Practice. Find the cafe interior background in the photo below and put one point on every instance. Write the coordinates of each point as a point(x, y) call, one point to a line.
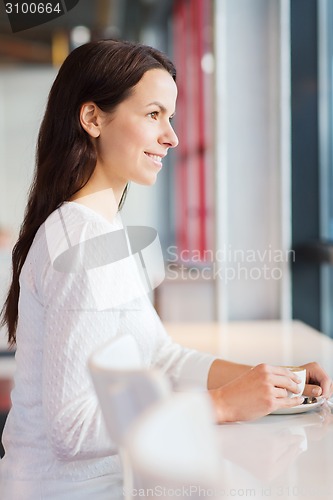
point(244, 206)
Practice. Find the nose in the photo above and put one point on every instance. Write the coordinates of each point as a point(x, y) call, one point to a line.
point(169, 137)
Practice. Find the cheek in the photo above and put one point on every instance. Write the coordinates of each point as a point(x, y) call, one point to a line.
point(138, 137)
point(123, 139)
point(113, 145)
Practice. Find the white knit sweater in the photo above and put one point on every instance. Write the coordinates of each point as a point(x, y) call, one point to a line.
point(55, 428)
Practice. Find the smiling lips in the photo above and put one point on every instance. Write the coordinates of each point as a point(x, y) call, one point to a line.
point(156, 158)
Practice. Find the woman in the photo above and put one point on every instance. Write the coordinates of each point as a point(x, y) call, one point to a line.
point(107, 123)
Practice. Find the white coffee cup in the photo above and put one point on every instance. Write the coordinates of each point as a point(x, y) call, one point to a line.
point(301, 374)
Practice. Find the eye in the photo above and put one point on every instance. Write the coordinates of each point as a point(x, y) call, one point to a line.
point(153, 115)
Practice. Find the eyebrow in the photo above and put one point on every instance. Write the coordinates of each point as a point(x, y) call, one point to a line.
point(160, 105)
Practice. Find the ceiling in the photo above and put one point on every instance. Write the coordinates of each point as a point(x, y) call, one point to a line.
point(105, 19)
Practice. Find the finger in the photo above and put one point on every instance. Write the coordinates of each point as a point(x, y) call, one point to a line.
point(280, 370)
point(290, 402)
point(280, 393)
point(318, 376)
point(284, 394)
point(285, 372)
point(326, 386)
point(285, 382)
point(312, 390)
point(330, 390)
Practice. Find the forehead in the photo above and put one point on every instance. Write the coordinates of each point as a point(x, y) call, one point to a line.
point(155, 85)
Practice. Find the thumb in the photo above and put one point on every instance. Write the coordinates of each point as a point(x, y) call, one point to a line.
point(312, 390)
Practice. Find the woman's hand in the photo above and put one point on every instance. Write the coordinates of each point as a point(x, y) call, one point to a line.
point(318, 383)
point(256, 393)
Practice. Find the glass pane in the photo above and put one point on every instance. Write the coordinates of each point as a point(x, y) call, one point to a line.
point(326, 153)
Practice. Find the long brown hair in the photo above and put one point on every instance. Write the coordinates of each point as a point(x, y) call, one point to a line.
point(104, 72)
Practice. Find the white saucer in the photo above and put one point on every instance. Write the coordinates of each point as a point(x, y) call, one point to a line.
point(299, 408)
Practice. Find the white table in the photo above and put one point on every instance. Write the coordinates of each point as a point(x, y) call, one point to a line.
point(278, 456)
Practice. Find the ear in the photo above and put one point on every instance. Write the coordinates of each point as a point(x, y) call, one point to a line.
point(90, 119)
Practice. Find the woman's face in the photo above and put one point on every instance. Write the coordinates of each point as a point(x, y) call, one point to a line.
point(134, 141)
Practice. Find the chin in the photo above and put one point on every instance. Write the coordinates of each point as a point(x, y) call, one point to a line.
point(147, 181)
